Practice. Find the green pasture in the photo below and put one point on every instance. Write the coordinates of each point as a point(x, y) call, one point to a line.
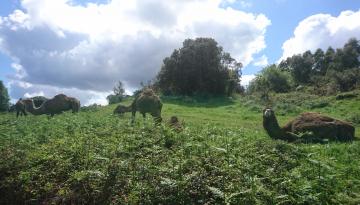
point(223, 156)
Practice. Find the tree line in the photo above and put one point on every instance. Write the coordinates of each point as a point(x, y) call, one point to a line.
point(333, 70)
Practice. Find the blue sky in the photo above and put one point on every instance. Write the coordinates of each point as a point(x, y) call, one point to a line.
point(285, 15)
point(58, 42)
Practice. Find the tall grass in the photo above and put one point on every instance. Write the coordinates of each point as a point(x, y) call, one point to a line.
point(223, 156)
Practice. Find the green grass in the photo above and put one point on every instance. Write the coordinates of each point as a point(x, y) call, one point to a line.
point(223, 156)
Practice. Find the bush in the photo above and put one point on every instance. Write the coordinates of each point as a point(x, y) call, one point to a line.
point(346, 96)
point(258, 84)
point(271, 79)
point(112, 99)
point(346, 80)
point(317, 104)
point(239, 89)
point(279, 81)
point(253, 106)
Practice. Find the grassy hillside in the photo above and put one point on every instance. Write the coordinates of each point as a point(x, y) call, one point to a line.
point(223, 156)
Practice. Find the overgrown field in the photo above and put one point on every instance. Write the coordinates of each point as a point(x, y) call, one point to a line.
point(223, 156)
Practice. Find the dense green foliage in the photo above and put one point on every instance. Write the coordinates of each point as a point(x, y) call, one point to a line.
point(330, 72)
point(271, 78)
point(304, 67)
point(223, 156)
point(4, 98)
point(199, 67)
point(346, 80)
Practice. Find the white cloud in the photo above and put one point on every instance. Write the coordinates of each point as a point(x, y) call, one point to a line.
point(261, 61)
point(242, 3)
point(20, 72)
point(29, 95)
point(245, 79)
point(245, 4)
point(322, 31)
point(63, 46)
point(86, 97)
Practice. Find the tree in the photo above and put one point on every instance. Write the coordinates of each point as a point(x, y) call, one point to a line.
point(329, 57)
point(118, 95)
point(300, 67)
point(319, 67)
point(284, 65)
point(278, 81)
point(338, 60)
point(347, 57)
point(351, 53)
point(119, 89)
point(308, 64)
point(199, 67)
point(4, 98)
point(271, 78)
point(334, 68)
point(234, 82)
point(347, 80)
point(260, 85)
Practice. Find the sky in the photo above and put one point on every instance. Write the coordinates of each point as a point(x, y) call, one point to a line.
point(83, 47)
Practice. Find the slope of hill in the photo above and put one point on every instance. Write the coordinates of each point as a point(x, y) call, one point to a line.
point(222, 156)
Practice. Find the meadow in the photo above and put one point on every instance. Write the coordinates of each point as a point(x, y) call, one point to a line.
point(223, 156)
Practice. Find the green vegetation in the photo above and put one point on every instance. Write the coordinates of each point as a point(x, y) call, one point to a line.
point(328, 73)
point(200, 67)
point(4, 98)
point(271, 79)
point(223, 156)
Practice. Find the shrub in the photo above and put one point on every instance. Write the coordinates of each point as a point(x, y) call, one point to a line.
point(346, 80)
point(271, 79)
point(346, 96)
point(112, 99)
point(279, 81)
point(317, 104)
